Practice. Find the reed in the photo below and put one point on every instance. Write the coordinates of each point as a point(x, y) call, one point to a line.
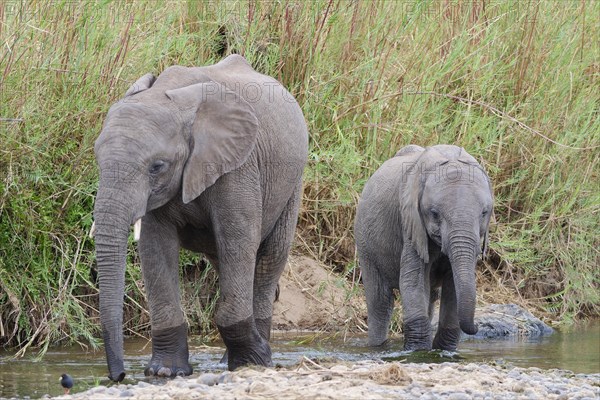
point(515, 83)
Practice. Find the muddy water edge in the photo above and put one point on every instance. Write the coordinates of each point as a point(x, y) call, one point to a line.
point(577, 350)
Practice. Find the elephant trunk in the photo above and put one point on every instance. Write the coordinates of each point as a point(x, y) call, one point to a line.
point(463, 257)
point(113, 221)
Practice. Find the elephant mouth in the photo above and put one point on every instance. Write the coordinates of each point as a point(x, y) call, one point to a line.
point(436, 238)
point(137, 229)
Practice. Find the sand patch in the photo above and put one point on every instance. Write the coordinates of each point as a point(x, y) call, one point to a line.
point(311, 297)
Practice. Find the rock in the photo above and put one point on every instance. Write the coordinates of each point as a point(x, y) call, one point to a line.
point(97, 389)
point(518, 388)
point(506, 320)
point(502, 320)
point(113, 391)
point(459, 396)
point(531, 394)
point(208, 379)
point(225, 377)
point(195, 386)
point(587, 394)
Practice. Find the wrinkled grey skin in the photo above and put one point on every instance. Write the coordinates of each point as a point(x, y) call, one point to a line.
point(421, 221)
point(211, 159)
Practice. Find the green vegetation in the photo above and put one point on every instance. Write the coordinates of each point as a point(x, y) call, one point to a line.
point(515, 83)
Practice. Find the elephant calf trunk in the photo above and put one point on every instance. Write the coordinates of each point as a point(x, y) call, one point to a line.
point(466, 299)
point(463, 260)
point(468, 327)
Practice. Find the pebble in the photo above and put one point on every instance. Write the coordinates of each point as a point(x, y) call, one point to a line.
point(225, 377)
point(448, 381)
point(208, 379)
point(459, 396)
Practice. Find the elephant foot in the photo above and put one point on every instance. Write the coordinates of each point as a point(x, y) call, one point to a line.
point(264, 329)
point(169, 353)
point(378, 338)
point(261, 356)
point(167, 372)
point(417, 334)
point(245, 346)
point(378, 341)
point(446, 339)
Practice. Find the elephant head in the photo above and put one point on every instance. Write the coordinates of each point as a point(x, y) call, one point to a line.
point(166, 141)
point(447, 203)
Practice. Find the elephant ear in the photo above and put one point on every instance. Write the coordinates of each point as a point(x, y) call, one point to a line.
point(145, 82)
point(223, 133)
point(410, 198)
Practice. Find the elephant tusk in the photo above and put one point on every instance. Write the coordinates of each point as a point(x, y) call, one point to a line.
point(93, 230)
point(137, 229)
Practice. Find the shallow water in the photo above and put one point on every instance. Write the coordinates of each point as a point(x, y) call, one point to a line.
point(577, 350)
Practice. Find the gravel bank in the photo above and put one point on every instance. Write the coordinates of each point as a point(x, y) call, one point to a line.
point(367, 380)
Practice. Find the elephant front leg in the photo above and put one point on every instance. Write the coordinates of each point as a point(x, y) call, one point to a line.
point(415, 293)
point(159, 253)
point(448, 333)
point(169, 352)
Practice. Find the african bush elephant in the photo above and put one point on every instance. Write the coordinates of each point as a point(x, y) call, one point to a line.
point(420, 223)
point(209, 159)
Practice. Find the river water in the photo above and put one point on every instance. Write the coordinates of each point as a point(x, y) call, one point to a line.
point(577, 350)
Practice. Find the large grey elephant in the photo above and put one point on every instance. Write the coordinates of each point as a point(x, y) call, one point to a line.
point(422, 221)
point(209, 159)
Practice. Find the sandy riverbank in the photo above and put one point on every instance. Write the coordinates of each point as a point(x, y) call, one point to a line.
point(366, 380)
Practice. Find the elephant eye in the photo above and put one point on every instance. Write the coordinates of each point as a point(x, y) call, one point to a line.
point(484, 213)
point(157, 167)
point(435, 214)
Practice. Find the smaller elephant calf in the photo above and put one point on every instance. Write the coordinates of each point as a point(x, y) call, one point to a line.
point(421, 223)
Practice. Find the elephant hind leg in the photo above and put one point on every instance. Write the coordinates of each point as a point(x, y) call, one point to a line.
point(434, 296)
point(270, 262)
point(271, 258)
point(237, 236)
point(380, 303)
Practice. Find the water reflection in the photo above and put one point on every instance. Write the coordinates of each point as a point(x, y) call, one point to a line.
point(578, 351)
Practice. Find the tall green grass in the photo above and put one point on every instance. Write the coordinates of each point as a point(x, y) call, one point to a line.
point(515, 83)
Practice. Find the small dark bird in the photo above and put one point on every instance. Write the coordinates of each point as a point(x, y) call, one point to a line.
point(66, 382)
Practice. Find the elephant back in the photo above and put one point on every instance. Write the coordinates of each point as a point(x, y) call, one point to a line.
point(410, 149)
